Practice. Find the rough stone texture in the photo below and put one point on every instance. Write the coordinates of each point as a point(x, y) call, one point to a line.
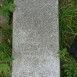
point(36, 39)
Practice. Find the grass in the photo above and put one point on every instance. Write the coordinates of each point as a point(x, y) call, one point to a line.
point(6, 10)
point(68, 31)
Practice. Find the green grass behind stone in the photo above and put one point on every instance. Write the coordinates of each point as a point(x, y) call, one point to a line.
point(6, 11)
point(68, 31)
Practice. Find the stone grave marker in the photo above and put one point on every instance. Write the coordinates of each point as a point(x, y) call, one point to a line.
point(35, 39)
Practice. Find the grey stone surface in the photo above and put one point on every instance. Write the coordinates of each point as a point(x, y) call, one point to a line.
point(36, 39)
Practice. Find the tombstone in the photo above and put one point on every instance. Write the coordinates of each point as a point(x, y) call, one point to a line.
point(35, 39)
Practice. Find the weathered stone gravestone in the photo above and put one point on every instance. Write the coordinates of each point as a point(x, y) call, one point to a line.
point(35, 39)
